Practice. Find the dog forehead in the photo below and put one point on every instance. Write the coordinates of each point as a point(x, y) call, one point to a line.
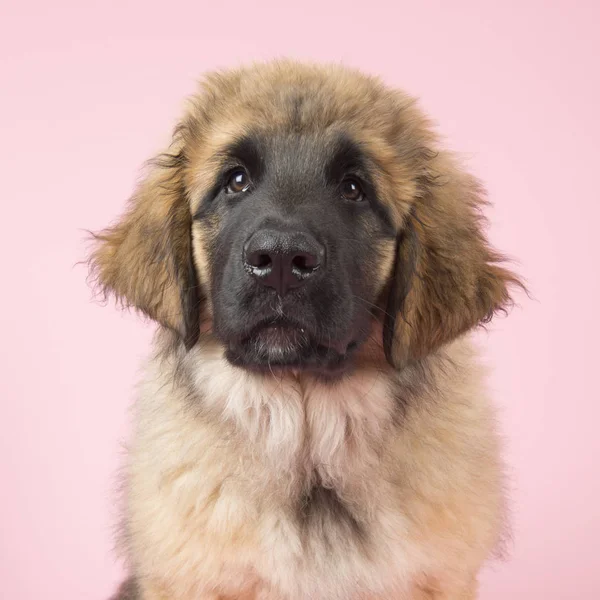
point(295, 96)
point(298, 111)
point(305, 156)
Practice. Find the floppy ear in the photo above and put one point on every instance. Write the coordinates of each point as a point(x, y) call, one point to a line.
point(447, 278)
point(145, 260)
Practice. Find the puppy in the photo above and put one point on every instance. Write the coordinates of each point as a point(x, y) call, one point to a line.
point(312, 423)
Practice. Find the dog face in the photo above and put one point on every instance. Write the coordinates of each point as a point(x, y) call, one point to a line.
point(299, 247)
point(299, 210)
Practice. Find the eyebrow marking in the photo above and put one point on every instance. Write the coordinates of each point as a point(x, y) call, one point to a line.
point(347, 156)
point(245, 150)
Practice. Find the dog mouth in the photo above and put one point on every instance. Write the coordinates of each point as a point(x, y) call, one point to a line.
point(284, 345)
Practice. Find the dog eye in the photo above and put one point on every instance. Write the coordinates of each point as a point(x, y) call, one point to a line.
point(351, 190)
point(238, 182)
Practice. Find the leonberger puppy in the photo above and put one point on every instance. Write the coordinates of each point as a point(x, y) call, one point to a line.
point(312, 424)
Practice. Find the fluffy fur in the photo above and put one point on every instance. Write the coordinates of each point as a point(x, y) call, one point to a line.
point(382, 483)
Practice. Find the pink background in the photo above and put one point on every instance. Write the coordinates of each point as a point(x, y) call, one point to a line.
point(91, 89)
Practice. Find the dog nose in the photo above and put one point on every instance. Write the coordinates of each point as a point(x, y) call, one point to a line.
point(283, 260)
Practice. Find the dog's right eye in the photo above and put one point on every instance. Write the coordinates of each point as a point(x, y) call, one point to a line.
point(351, 190)
point(238, 182)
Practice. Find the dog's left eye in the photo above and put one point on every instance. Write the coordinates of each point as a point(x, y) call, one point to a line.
point(351, 190)
point(238, 181)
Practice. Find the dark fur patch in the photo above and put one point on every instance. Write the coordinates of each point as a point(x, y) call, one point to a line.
point(321, 510)
point(404, 271)
point(245, 152)
point(185, 274)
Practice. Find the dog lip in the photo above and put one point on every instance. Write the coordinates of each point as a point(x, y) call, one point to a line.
point(279, 344)
point(329, 367)
point(283, 346)
point(341, 347)
point(282, 323)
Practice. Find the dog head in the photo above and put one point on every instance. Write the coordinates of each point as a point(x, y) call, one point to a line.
point(298, 208)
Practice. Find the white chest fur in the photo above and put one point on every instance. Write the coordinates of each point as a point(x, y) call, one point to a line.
point(293, 489)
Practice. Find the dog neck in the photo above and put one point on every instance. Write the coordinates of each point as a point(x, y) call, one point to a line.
point(295, 422)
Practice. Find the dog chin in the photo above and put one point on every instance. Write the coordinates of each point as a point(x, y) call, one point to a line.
point(288, 349)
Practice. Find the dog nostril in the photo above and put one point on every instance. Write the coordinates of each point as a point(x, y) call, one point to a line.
point(282, 260)
point(259, 260)
point(305, 262)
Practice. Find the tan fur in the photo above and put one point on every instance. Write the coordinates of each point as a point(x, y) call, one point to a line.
point(220, 457)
